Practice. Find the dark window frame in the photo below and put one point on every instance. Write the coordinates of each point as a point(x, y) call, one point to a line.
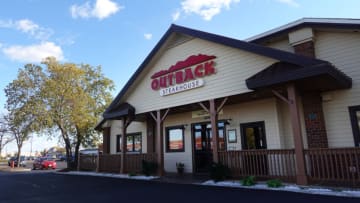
point(167, 141)
point(118, 142)
point(354, 124)
point(243, 126)
point(138, 134)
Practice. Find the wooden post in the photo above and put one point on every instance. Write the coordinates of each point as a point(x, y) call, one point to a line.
point(301, 178)
point(159, 148)
point(98, 163)
point(159, 144)
point(123, 146)
point(106, 140)
point(213, 111)
point(214, 129)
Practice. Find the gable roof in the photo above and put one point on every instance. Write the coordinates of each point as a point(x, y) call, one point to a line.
point(230, 42)
point(323, 77)
point(337, 23)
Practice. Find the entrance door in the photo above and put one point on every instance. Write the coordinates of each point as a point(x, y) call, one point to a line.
point(203, 145)
point(253, 138)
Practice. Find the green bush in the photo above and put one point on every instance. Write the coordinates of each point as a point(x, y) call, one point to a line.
point(131, 174)
point(219, 172)
point(274, 183)
point(149, 167)
point(248, 181)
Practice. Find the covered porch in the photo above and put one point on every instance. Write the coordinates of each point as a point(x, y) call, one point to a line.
point(290, 84)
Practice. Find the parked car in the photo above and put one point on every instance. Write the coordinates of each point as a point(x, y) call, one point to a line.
point(14, 159)
point(44, 163)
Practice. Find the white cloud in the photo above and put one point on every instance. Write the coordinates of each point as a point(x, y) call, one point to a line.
point(207, 9)
point(33, 53)
point(101, 9)
point(176, 15)
point(26, 26)
point(148, 36)
point(292, 3)
point(29, 27)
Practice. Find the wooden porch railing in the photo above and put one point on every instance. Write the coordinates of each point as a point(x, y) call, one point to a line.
point(334, 166)
point(112, 162)
point(87, 162)
point(109, 163)
point(134, 161)
point(261, 163)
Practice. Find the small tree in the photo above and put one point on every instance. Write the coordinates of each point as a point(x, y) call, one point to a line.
point(5, 137)
point(24, 104)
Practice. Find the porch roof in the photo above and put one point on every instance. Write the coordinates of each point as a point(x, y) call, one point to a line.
point(319, 77)
point(123, 110)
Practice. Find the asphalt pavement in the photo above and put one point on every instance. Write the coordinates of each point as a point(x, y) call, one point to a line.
point(50, 187)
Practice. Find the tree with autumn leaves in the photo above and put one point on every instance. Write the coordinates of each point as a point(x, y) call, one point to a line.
point(63, 99)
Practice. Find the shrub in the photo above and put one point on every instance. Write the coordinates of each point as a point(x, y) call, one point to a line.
point(248, 181)
point(219, 172)
point(131, 174)
point(149, 167)
point(274, 183)
point(180, 167)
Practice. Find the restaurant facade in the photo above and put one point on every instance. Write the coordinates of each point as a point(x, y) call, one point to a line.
point(282, 104)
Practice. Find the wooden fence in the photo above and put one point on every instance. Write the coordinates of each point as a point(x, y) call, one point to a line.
point(109, 163)
point(334, 166)
point(134, 161)
point(87, 162)
point(339, 166)
point(112, 162)
point(261, 163)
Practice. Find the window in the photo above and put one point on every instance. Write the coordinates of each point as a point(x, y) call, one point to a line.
point(133, 142)
point(355, 123)
point(253, 135)
point(175, 139)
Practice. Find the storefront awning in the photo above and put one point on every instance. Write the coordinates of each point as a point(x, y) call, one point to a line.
point(317, 77)
point(123, 110)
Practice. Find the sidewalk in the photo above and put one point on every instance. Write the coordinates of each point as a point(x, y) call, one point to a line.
point(15, 169)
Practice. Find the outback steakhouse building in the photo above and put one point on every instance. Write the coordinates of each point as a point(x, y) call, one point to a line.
point(282, 104)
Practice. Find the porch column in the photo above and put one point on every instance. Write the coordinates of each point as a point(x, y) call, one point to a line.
point(213, 111)
point(125, 123)
point(106, 140)
point(301, 178)
point(159, 139)
point(214, 130)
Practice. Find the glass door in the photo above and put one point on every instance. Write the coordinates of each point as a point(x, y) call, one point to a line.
point(203, 145)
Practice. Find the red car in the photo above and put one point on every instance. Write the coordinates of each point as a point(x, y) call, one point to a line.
point(44, 163)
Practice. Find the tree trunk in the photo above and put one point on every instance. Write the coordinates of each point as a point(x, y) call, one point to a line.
point(67, 146)
point(77, 146)
point(19, 155)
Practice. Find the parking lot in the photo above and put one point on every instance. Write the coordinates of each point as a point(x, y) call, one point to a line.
point(28, 167)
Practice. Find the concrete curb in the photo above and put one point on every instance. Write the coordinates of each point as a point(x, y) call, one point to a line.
point(14, 170)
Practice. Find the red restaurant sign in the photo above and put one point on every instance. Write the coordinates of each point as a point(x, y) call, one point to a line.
point(184, 75)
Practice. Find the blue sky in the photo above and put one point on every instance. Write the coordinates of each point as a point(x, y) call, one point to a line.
point(119, 34)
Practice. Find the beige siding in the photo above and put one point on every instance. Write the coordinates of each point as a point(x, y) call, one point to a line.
point(282, 45)
point(286, 132)
point(343, 50)
point(233, 67)
point(134, 127)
